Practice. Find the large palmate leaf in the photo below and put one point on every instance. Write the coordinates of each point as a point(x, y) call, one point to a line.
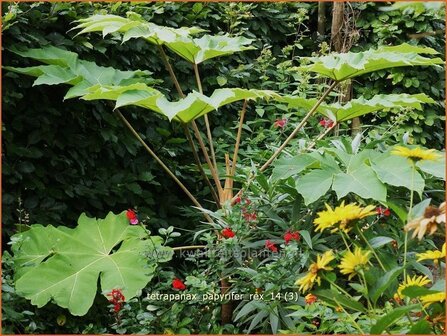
point(64, 67)
point(198, 50)
point(134, 26)
point(193, 106)
point(360, 106)
point(64, 265)
point(342, 66)
point(179, 40)
point(366, 173)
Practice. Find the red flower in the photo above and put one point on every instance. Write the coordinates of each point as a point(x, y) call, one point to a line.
point(326, 123)
point(383, 211)
point(291, 236)
point(271, 246)
point(178, 284)
point(250, 217)
point(117, 307)
point(237, 200)
point(247, 201)
point(228, 233)
point(280, 123)
point(117, 299)
point(132, 216)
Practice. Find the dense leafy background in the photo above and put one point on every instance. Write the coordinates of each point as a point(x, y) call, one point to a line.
point(63, 158)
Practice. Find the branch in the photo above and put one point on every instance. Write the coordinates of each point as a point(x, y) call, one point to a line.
point(207, 123)
point(202, 172)
point(238, 138)
point(298, 128)
point(161, 163)
point(193, 123)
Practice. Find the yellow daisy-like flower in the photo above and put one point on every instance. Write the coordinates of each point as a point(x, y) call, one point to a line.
point(432, 298)
point(428, 222)
point(341, 216)
point(306, 282)
point(416, 154)
point(351, 263)
point(411, 281)
point(432, 255)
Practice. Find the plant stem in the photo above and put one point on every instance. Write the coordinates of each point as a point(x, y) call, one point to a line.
point(367, 292)
point(321, 136)
point(238, 137)
point(338, 287)
point(207, 159)
point(371, 248)
point(413, 168)
point(199, 165)
point(351, 318)
point(300, 125)
point(193, 123)
point(344, 240)
point(168, 66)
point(161, 163)
point(207, 122)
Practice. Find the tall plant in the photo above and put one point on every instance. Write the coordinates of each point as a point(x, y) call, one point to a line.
point(125, 88)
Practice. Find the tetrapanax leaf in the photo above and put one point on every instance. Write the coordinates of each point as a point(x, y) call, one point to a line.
point(65, 67)
point(64, 265)
point(179, 40)
point(360, 106)
point(342, 66)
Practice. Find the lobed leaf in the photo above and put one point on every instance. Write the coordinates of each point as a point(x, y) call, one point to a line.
point(360, 106)
point(342, 66)
point(179, 40)
point(64, 265)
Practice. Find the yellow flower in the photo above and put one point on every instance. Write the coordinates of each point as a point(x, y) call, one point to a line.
point(306, 282)
point(427, 222)
point(432, 298)
point(352, 262)
point(416, 154)
point(412, 281)
point(341, 216)
point(433, 255)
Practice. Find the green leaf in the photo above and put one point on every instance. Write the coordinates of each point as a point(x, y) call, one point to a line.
point(360, 106)
point(422, 327)
point(198, 50)
point(65, 67)
point(246, 309)
point(362, 181)
point(64, 265)
point(314, 184)
point(179, 40)
point(435, 168)
point(193, 106)
point(384, 282)
point(417, 291)
point(390, 318)
point(380, 241)
point(286, 167)
point(306, 236)
point(332, 297)
point(397, 171)
point(341, 66)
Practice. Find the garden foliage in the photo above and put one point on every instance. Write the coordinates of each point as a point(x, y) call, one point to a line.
point(335, 235)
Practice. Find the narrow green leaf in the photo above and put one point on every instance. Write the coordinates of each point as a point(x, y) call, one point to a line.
point(390, 318)
point(306, 236)
point(380, 241)
point(331, 296)
point(384, 282)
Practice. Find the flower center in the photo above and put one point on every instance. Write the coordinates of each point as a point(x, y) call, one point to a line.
point(431, 211)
